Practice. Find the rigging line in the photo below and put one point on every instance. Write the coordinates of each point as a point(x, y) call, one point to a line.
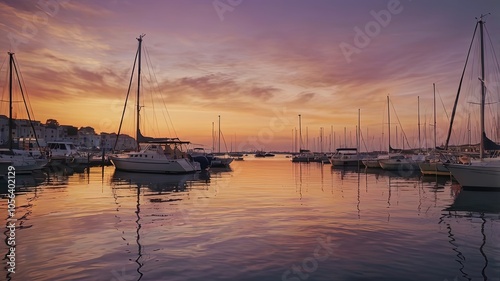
point(470, 90)
point(362, 139)
point(169, 117)
point(493, 49)
point(4, 89)
point(151, 85)
point(458, 92)
point(225, 144)
point(3, 63)
point(442, 103)
point(165, 106)
point(21, 78)
point(126, 99)
point(156, 92)
point(148, 79)
point(168, 113)
point(156, 87)
point(497, 78)
point(397, 117)
point(25, 105)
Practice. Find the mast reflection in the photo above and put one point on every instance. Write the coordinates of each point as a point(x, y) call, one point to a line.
point(472, 207)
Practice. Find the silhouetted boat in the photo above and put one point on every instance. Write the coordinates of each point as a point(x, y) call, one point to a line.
point(23, 161)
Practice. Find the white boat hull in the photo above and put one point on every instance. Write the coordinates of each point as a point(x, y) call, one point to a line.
point(163, 166)
point(25, 164)
point(371, 163)
point(436, 168)
point(477, 175)
point(398, 165)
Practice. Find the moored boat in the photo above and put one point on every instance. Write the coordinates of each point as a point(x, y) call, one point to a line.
point(485, 172)
point(434, 168)
point(305, 156)
point(155, 158)
point(23, 161)
point(156, 155)
point(346, 157)
point(481, 174)
point(371, 163)
point(65, 152)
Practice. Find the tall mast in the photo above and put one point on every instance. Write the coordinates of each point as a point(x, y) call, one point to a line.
point(468, 130)
point(388, 125)
point(219, 136)
point(418, 115)
point(11, 69)
point(321, 139)
point(483, 90)
point(434, 87)
point(213, 137)
point(138, 89)
point(300, 134)
point(358, 132)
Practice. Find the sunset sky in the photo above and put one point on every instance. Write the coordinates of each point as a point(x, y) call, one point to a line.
point(257, 64)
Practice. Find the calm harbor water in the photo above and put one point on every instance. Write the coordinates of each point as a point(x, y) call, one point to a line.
point(264, 219)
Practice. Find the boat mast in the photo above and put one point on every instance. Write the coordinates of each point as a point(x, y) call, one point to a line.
point(219, 136)
point(468, 131)
point(483, 90)
point(434, 86)
point(300, 135)
point(388, 125)
point(321, 139)
point(11, 125)
point(358, 133)
point(213, 137)
point(138, 89)
point(418, 115)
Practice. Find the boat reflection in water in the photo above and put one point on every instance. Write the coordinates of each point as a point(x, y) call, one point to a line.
point(156, 207)
point(403, 174)
point(472, 223)
point(435, 181)
point(159, 182)
point(476, 202)
point(24, 182)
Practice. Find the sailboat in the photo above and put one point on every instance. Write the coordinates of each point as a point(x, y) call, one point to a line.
point(485, 172)
point(219, 160)
point(348, 156)
point(304, 155)
point(433, 164)
point(397, 161)
point(23, 162)
point(153, 155)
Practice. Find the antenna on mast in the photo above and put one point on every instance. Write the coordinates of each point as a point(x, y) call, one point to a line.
point(483, 16)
